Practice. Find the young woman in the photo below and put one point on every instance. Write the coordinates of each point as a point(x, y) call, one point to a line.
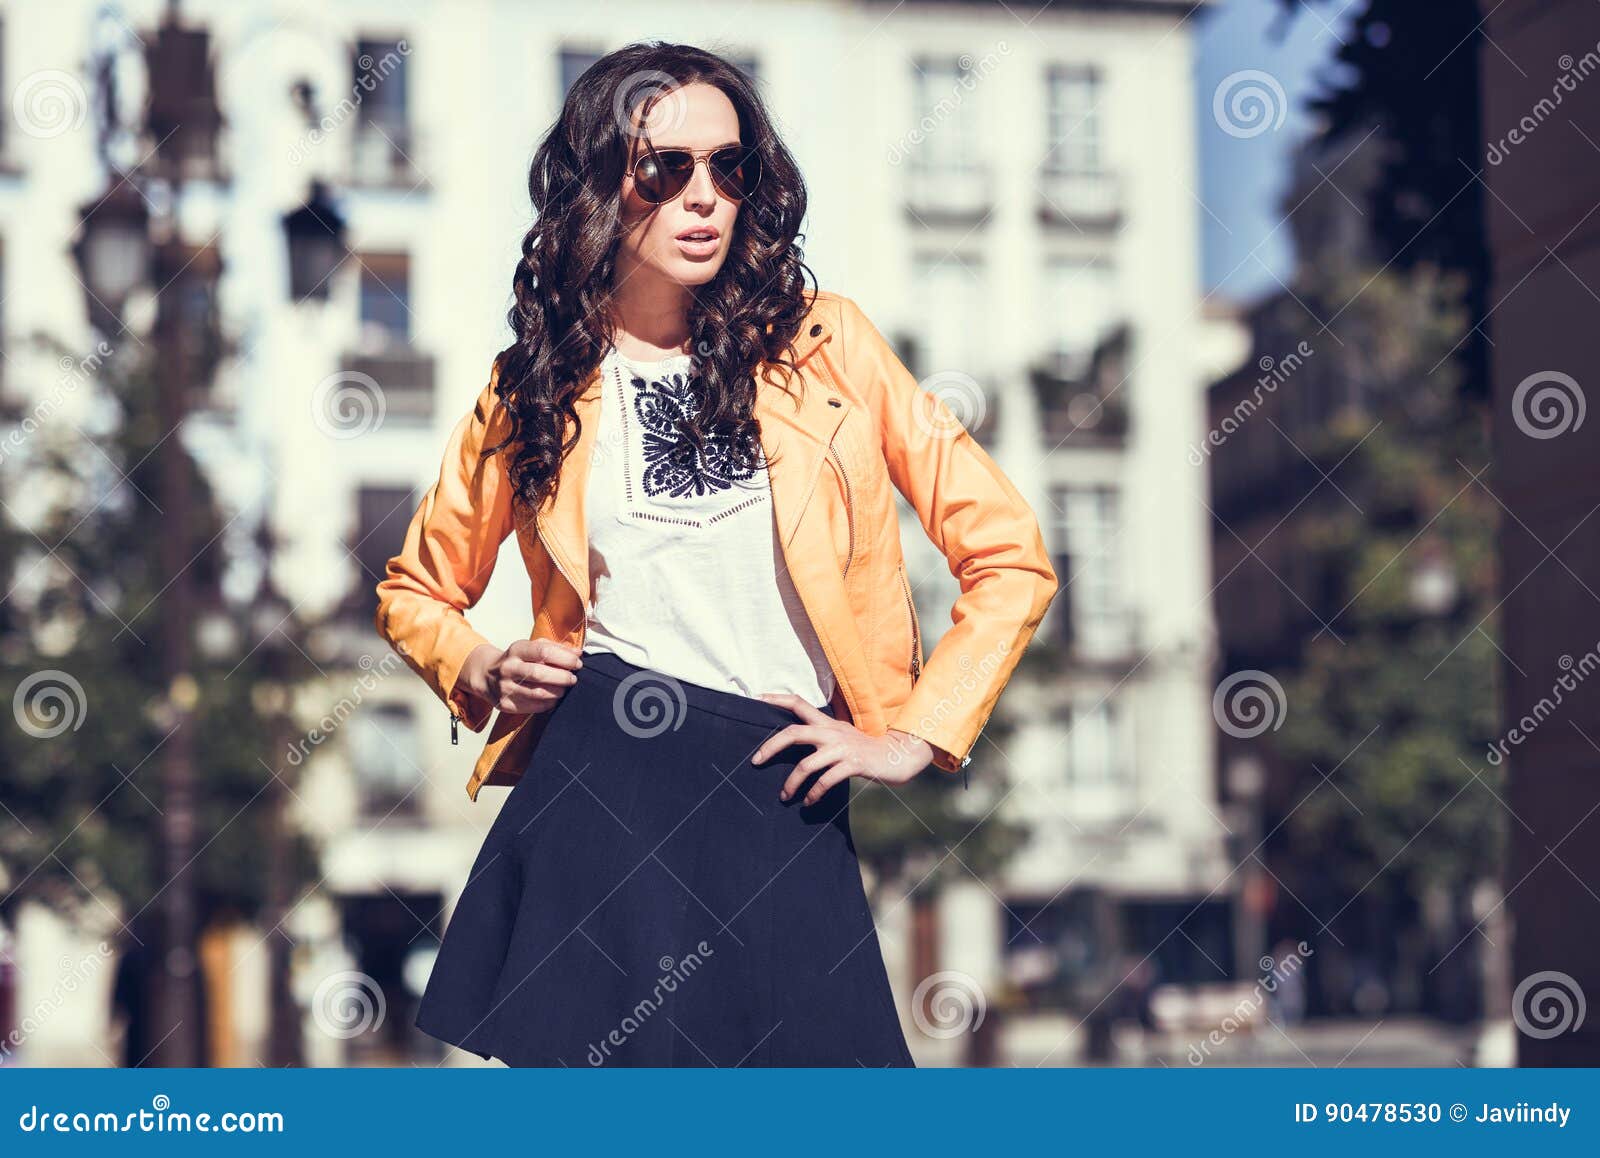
point(698, 460)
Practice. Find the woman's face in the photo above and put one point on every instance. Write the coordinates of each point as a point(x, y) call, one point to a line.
point(698, 117)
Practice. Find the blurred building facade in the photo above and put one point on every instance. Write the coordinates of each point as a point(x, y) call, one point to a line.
point(1544, 238)
point(1005, 196)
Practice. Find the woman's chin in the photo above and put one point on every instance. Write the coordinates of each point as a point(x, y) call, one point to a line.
point(691, 272)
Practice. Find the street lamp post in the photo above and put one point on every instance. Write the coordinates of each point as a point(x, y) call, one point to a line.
point(123, 245)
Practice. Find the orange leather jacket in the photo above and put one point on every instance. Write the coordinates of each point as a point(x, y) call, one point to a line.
point(860, 426)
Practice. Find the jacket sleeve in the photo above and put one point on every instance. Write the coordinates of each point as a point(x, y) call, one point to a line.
point(986, 530)
point(448, 555)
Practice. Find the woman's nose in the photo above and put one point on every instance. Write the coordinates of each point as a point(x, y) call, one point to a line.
point(701, 190)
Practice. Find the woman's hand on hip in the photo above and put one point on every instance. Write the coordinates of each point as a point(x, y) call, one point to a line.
point(527, 678)
point(842, 750)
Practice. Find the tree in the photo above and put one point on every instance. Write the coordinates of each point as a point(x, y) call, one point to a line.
point(79, 544)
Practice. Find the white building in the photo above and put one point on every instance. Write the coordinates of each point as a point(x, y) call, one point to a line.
point(1004, 191)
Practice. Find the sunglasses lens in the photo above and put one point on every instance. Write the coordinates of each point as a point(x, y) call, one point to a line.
point(736, 172)
point(661, 176)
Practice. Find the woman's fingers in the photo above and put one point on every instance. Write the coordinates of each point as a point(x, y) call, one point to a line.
point(827, 759)
point(836, 769)
point(812, 734)
point(533, 674)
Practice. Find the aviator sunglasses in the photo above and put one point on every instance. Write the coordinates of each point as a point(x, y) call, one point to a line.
point(659, 175)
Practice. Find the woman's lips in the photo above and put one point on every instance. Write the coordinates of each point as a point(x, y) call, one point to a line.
point(699, 249)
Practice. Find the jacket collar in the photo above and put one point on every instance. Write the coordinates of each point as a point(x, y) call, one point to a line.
point(798, 420)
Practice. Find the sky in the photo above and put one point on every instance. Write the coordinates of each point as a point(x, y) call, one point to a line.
point(1262, 67)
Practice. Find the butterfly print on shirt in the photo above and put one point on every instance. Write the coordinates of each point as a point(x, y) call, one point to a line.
point(674, 466)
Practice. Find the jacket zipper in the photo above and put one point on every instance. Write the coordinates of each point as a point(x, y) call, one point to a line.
point(849, 508)
point(916, 630)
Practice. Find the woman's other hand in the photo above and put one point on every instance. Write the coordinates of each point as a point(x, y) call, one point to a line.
point(527, 678)
point(842, 750)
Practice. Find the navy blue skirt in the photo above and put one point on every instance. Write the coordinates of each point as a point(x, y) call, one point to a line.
point(645, 899)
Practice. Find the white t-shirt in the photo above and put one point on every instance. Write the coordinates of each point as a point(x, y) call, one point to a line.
point(686, 572)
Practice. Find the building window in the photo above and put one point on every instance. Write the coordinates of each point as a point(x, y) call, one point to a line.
point(383, 120)
point(384, 744)
point(1080, 312)
point(1094, 748)
point(952, 338)
point(1094, 621)
point(944, 95)
point(947, 295)
point(1073, 105)
point(385, 300)
point(385, 352)
point(383, 515)
point(574, 63)
point(947, 178)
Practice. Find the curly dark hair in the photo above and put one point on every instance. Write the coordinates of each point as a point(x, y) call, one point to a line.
point(748, 313)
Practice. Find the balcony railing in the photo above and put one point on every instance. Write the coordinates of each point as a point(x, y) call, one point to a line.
point(947, 192)
point(382, 155)
point(1084, 397)
point(405, 378)
point(1084, 199)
